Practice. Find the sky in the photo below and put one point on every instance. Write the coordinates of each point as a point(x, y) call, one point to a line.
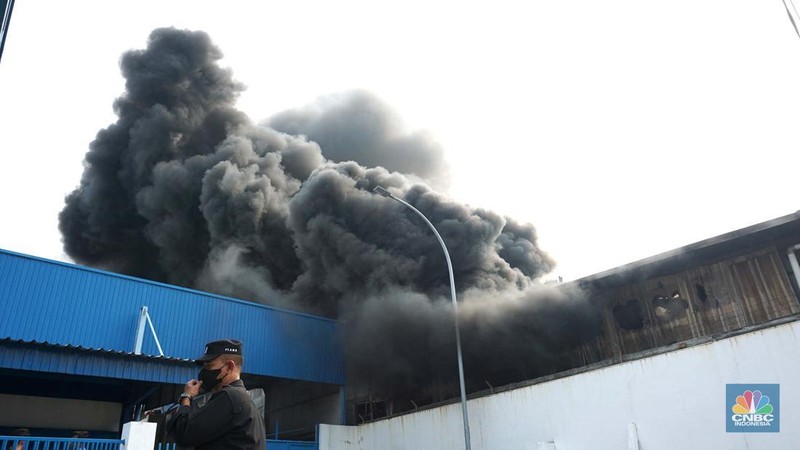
point(620, 129)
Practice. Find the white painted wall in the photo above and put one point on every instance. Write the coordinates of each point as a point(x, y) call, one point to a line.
point(676, 401)
point(139, 436)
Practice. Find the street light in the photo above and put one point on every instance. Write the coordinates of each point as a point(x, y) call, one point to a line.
point(380, 190)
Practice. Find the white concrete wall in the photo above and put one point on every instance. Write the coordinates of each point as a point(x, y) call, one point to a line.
point(676, 401)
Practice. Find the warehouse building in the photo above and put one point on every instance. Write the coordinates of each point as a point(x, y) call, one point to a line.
point(90, 350)
point(679, 331)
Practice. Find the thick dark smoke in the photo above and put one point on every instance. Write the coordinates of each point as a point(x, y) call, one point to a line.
point(357, 126)
point(506, 337)
point(185, 189)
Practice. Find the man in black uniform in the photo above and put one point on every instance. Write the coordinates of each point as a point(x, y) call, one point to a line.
point(225, 417)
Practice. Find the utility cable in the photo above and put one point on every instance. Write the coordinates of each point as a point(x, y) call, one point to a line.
point(793, 16)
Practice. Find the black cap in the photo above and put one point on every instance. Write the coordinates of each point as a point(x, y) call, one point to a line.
point(223, 347)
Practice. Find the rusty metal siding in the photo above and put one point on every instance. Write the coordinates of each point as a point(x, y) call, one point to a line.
point(716, 297)
point(763, 293)
point(709, 299)
point(65, 304)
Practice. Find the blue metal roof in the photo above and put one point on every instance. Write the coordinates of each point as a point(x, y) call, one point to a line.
point(46, 357)
point(65, 304)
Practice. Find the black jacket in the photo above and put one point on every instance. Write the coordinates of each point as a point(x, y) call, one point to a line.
point(227, 419)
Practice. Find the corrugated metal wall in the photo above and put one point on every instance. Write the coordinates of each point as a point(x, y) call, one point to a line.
point(72, 361)
point(705, 300)
point(48, 301)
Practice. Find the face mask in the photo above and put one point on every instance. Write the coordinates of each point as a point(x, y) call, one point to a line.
point(209, 378)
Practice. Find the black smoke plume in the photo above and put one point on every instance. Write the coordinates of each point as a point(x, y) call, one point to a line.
point(184, 188)
point(357, 126)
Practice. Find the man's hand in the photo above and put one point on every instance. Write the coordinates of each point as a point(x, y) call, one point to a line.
point(192, 387)
point(190, 390)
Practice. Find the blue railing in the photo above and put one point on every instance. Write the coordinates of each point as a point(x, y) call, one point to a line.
point(291, 445)
point(48, 443)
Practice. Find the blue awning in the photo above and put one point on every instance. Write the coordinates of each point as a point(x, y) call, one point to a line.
point(71, 360)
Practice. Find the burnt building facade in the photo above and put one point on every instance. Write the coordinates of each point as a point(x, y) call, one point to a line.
point(743, 279)
point(709, 290)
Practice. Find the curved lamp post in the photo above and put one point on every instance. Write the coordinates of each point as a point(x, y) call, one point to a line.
point(380, 190)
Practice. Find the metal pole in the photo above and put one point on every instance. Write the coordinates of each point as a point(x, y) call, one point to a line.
point(793, 16)
point(5, 22)
point(153, 330)
point(137, 346)
point(380, 190)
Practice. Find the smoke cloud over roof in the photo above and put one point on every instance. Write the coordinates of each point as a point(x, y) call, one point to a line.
point(186, 189)
point(357, 126)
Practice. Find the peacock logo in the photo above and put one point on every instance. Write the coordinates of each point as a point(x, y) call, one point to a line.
point(752, 408)
point(752, 402)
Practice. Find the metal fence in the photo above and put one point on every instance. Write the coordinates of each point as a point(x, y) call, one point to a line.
point(272, 444)
point(291, 445)
point(49, 443)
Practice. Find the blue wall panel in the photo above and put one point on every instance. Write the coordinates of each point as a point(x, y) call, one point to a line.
point(65, 304)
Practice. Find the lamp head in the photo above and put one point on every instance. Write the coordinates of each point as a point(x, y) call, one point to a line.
point(380, 190)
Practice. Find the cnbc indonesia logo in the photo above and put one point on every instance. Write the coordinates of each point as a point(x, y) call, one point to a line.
point(752, 409)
